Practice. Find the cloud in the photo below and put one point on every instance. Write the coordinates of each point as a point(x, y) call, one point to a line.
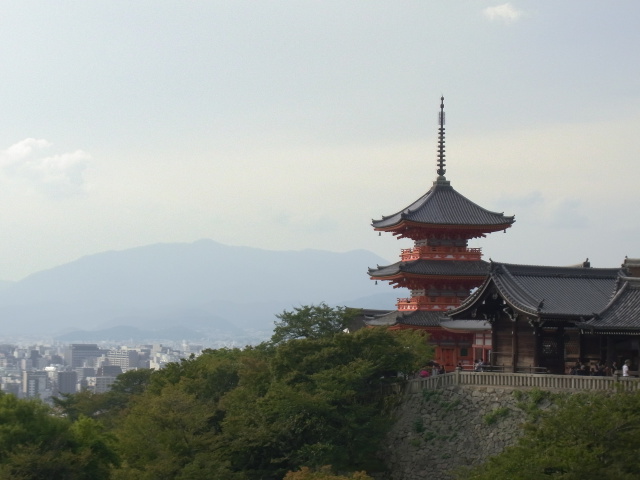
point(56, 176)
point(554, 213)
point(568, 213)
point(525, 200)
point(504, 12)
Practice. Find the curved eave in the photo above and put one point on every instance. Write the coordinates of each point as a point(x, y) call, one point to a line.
point(512, 293)
point(465, 326)
point(405, 275)
point(478, 295)
point(470, 300)
point(610, 308)
point(398, 227)
point(443, 205)
point(622, 313)
point(467, 271)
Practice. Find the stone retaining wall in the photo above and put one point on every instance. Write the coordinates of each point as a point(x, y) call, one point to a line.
point(436, 431)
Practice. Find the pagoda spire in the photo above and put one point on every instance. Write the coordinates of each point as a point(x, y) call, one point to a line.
point(441, 170)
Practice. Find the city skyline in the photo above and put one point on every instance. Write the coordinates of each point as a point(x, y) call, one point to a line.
point(290, 125)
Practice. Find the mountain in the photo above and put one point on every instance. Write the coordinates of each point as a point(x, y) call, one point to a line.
point(214, 290)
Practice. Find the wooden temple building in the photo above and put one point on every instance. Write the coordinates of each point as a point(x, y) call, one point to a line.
point(440, 270)
point(531, 316)
point(519, 318)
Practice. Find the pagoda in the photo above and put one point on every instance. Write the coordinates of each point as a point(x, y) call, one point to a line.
point(440, 270)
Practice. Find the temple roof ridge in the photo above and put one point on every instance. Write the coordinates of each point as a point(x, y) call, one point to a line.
point(519, 269)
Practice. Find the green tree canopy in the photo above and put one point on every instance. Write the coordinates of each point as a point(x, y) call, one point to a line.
point(263, 411)
point(34, 444)
point(312, 322)
point(322, 406)
point(589, 436)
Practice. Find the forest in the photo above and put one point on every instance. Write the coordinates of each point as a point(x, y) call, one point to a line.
point(309, 397)
point(306, 405)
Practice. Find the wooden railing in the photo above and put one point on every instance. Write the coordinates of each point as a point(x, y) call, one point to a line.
point(438, 304)
point(440, 253)
point(516, 380)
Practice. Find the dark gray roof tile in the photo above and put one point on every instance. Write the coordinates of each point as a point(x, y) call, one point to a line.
point(555, 291)
point(622, 312)
point(434, 268)
point(418, 318)
point(547, 291)
point(442, 205)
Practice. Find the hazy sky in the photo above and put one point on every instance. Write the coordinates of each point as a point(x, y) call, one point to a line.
point(291, 124)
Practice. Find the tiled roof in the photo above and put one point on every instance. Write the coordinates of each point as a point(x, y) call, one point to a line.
point(382, 320)
point(468, 326)
point(434, 268)
point(547, 291)
point(554, 291)
point(418, 318)
point(442, 205)
point(622, 312)
point(365, 315)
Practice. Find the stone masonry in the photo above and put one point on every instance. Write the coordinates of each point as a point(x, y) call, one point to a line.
point(437, 431)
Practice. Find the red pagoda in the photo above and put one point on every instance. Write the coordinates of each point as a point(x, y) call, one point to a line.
point(440, 270)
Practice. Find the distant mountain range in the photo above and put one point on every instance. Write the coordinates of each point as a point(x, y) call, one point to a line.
point(202, 291)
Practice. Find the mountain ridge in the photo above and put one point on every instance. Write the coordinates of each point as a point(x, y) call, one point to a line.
point(164, 285)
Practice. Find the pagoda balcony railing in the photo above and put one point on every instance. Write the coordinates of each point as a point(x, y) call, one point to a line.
point(440, 253)
point(437, 304)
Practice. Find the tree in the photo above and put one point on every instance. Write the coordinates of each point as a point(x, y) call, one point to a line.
point(263, 411)
point(106, 405)
point(132, 382)
point(323, 405)
point(163, 433)
point(312, 322)
point(34, 444)
point(171, 430)
point(589, 436)
point(85, 403)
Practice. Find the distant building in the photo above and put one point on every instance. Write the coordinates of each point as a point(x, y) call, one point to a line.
point(66, 382)
point(12, 387)
point(101, 384)
point(34, 384)
point(83, 354)
point(109, 371)
point(125, 358)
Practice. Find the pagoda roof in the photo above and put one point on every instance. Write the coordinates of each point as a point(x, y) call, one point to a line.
point(622, 313)
point(364, 316)
point(416, 318)
point(422, 267)
point(545, 291)
point(443, 206)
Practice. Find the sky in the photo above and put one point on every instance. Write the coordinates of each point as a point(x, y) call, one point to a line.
point(290, 125)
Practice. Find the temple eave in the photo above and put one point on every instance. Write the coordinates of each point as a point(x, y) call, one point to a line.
point(399, 277)
point(474, 231)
